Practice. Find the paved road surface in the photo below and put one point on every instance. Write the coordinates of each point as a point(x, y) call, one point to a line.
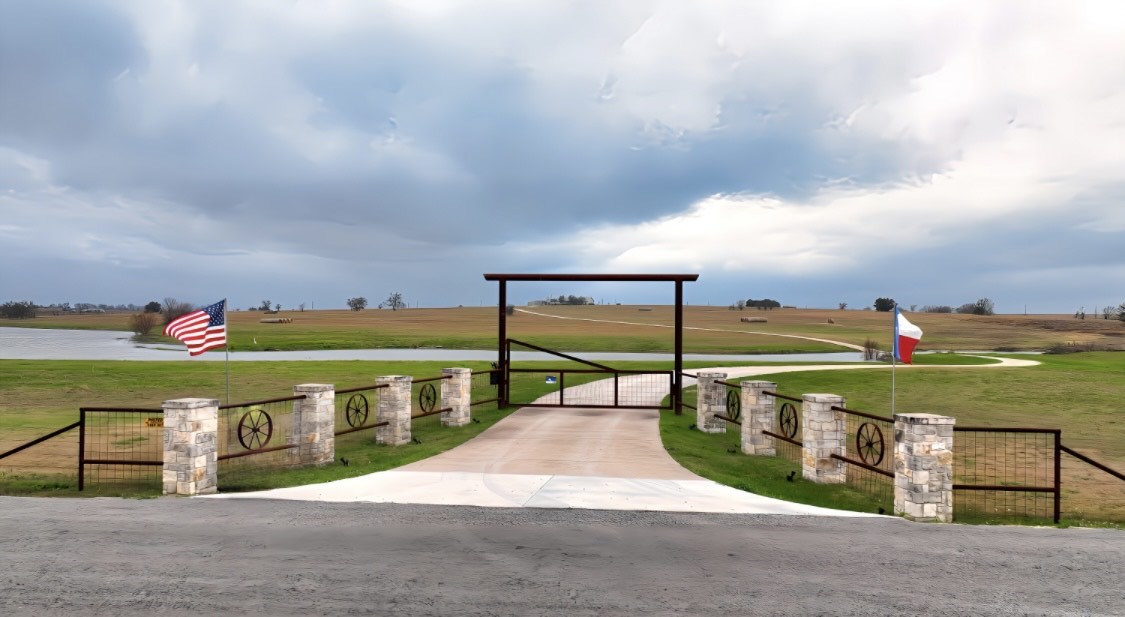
point(257, 557)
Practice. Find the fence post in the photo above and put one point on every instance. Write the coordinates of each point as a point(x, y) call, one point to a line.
point(709, 401)
point(757, 416)
point(457, 396)
point(825, 433)
point(394, 408)
point(191, 446)
point(314, 423)
point(924, 467)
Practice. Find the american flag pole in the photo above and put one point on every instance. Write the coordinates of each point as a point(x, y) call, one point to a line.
point(894, 357)
point(226, 347)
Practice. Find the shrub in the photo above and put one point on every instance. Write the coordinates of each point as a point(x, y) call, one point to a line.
point(142, 323)
point(870, 350)
point(937, 308)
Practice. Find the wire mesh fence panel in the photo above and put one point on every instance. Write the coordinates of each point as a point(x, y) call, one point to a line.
point(51, 464)
point(255, 440)
point(786, 428)
point(641, 389)
point(1091, 494)
point(122, 448)
point(869, 440)
point(356, 415)
point(1008, 463)
point(485, 389)
point(425, 403)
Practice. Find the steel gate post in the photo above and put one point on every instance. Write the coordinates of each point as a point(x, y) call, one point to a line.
point(82, 449)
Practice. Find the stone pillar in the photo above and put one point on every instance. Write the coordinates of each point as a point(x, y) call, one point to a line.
point(924, 467)
point(709, 401)
point(825, 433)
point(191, 444)
point(394, 408)
point(456, 396)
point(758, 410)
point(314, 424)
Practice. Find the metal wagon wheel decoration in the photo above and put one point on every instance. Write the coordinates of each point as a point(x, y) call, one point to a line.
point(427, 398)
point(255, 429)
point(869, 443)
point(734, 405)
point(788, 419)
point(356, 412)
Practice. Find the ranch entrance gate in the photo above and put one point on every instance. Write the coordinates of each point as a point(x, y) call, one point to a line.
point(614, 387)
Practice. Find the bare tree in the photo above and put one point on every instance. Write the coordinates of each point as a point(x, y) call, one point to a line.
point(1108, 312)
point(357, 304)
point(174, 309)
point(395, 301)
point(843, 306)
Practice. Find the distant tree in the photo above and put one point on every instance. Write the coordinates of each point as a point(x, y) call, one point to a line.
point(913, 307)
point(884, 304)
point(1121, 312)
point(142, 323)
point(984, 306)
point(18, 310)
point(843, 306)
point(265, 305)
point(1108, 312)
point(301, 307)
point(276, 307)
point(1080, 313)
point(395, 301)
point(967, 308)
point(510, 310)
point(357, 304)
point(152, 307)
point(937, 308)
point(174, 309)
point(740, 305)
point(766, 304)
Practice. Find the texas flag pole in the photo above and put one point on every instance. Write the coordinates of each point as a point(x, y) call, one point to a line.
point(907, 336)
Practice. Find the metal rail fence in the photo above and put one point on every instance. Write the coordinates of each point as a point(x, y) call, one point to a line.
point(1007, 472)
point(869, 454)
point(485, 388)
point(119, 446)
point(786, 427)
point(254, 438)
point(47, 462)
point(356, 412)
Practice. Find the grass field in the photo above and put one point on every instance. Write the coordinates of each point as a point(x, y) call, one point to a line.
point(475, 328)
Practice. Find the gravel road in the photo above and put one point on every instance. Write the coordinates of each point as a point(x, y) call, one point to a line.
point(254, 557)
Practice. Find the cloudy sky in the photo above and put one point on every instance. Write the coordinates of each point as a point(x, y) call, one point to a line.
point(811, 152)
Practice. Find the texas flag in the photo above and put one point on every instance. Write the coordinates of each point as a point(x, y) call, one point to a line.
point(907, 336)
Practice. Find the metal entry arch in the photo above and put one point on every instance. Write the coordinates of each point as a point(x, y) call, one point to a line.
point(677, 279)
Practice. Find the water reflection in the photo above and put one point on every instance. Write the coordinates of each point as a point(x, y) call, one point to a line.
point(37, 344)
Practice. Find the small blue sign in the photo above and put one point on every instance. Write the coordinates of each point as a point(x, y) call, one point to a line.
point(551, 379)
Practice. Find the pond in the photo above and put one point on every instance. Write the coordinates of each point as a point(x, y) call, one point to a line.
point(42, 344)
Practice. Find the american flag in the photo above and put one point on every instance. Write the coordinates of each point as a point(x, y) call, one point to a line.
point(202, 330)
